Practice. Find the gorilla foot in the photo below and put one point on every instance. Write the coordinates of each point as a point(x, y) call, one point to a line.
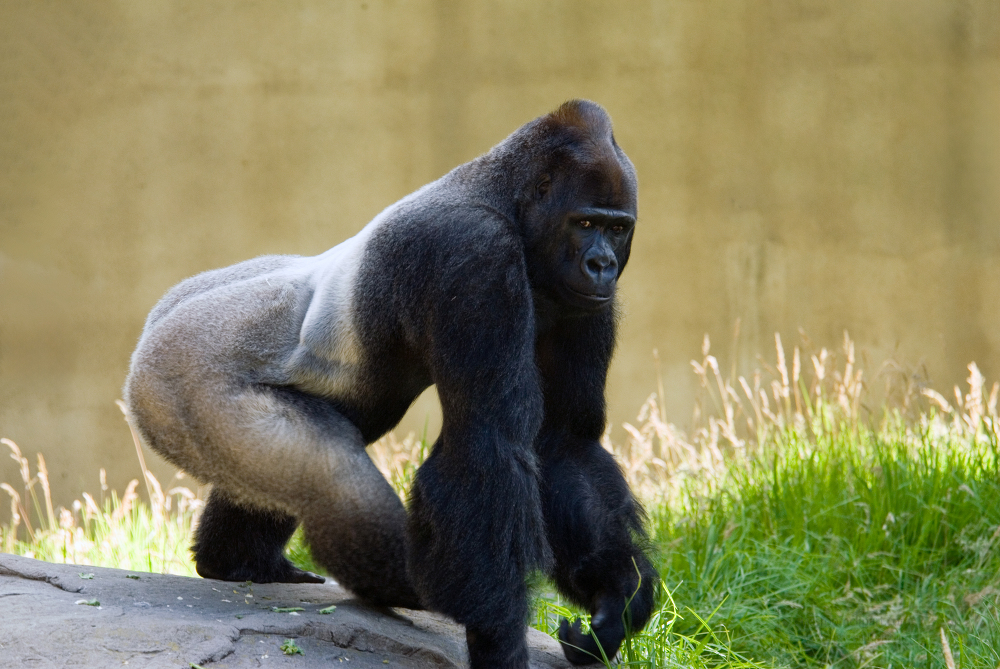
point(284, 572)
point(297, 575)
point(497, 649)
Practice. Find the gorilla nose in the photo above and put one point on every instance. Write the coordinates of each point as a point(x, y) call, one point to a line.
point(600, 265)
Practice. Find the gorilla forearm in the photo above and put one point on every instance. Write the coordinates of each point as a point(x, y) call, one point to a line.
point(486, 523)
point(595, 526)
point(596, 531)
point(483, 522)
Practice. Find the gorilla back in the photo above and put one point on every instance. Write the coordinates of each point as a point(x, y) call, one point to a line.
point(496, 283)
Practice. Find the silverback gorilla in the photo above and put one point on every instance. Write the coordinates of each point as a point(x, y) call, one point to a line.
point(496, 283)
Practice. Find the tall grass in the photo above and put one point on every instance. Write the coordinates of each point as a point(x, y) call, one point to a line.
point(126, 532)
point(853, 549)
point(818, 533)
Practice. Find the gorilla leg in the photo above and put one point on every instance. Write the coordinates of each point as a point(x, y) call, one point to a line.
point(235, 542)
point(274, 456)
point(595, 530)
point(358, 533)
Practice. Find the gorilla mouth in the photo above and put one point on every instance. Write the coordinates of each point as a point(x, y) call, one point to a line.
point(593, 298)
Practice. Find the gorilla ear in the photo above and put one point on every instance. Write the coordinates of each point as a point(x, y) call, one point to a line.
point(543, 186)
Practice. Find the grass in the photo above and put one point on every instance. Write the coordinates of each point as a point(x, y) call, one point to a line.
point(112, 531)
point(793, 526)
point(855, 549)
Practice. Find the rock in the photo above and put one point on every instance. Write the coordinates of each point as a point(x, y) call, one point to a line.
point(49, 618)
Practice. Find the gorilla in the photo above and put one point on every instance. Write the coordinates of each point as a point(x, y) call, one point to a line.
point(496, 283)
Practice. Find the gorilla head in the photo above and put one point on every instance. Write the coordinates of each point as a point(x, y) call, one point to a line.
point(579, 211)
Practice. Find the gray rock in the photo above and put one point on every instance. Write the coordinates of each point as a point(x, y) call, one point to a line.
point(159, 621)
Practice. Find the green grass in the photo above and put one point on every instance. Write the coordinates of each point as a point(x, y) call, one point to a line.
point(847, 550)
point(130, 538)
point(670, 639)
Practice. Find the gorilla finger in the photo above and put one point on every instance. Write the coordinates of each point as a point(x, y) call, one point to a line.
point(607, 631)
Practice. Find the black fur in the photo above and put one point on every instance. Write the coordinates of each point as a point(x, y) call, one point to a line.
point(495, 283)
point(238, 543)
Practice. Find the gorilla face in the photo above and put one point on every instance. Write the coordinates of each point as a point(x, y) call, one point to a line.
point(594, 239)
point(580, 233)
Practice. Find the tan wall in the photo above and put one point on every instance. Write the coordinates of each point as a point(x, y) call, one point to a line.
point(828, 165)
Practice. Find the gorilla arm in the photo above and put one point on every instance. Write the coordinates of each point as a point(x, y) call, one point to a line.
point(475, 523)
point(594, 525)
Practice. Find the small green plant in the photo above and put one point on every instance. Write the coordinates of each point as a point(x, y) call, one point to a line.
point(289, 648)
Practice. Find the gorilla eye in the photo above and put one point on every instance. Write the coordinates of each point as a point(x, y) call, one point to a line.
point(618, 229)
point(543, 186)
point(584, 224)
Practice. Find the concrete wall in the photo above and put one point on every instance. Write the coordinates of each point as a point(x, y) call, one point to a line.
point(808, 163)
